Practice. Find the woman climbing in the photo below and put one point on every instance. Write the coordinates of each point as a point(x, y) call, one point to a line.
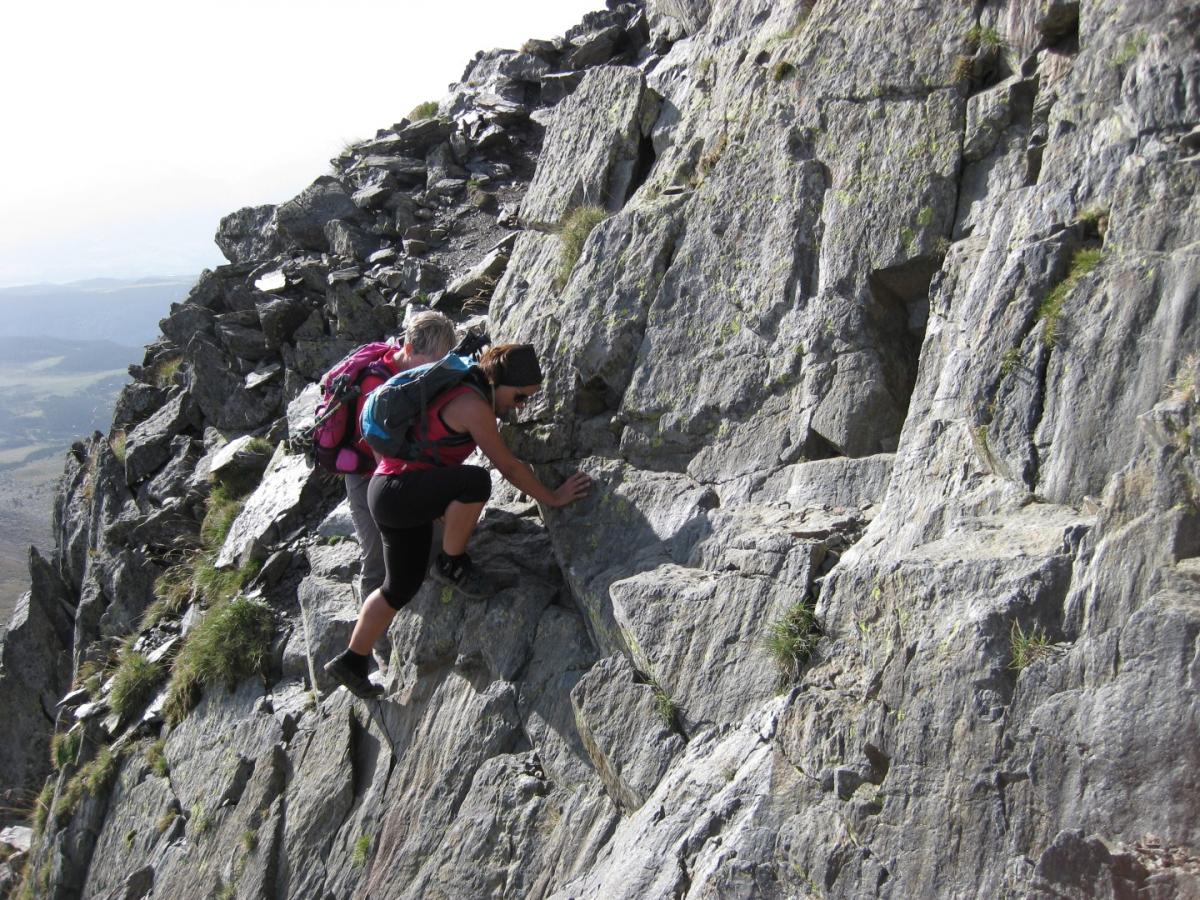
point(406, 497)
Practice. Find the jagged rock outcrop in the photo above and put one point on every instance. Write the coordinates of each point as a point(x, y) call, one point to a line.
point(886, 352)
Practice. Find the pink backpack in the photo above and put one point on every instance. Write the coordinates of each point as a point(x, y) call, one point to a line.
point(335, 433)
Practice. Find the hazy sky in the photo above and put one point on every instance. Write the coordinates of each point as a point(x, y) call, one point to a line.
point(132, 127)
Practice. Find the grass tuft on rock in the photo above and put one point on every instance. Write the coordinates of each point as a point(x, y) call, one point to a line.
point(362, 849)
point(117, 443)
point(64, 748)
point(665, 707)
point(41, 807)
point(165, 370)
point(231, 642)
point(1050, 311)
point(1027, 648)
point(91, 780)
point(133, 684)
point(426, 110)
point(791, 640)
point(157, 758)
point(573, 231)
point(223, 507)
point(986, 38)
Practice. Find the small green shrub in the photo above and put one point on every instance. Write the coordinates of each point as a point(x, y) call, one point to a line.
point(164, 371)
point(709, 159)
point(1094, 220)
point(362, 849)
point(791, 640)
point(963, 69)
point(665, 707)
point(173, 591)
point(1182, 387)
point(987, 38)
point(231, 642)
point(92, 779)
point(200, 821)
point(260, 446)
point(133, 684)
point(250, 840)
point(574, 231)
point(223, 507)
point(1027, 648)
point(117, 443)
point(41, 807)
point(64, 748)
point(166, 820)
point(426, 110)
point(782, 70)
point(1050, 311)
point(1009, 360)
point(1130, 50)
point(157, 758)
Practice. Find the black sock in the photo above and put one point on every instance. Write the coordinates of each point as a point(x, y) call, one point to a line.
point(356, 662)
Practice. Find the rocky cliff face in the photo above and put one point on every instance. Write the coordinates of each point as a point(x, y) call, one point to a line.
point(882, 353)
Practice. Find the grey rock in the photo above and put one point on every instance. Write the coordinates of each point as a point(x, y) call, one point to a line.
point(136, 402)
point(302, 412)
point(411, 140)
point(626, 729)
point(17, 837)
point(592, 49)
point(302, 220)
point(148, 445)
point(583, 164)
point(185, 320)
point(373, 196)
point(505, 65)
point(482, 277)
point(244, 342)
point(348, 241)
point(328, 612)
point(280, 318)
point(559, 85)
point(35, 668)
point(219, 390)
point(406, 169)
point(238, 461)
point(338, 523)
point(262, 374)
point(272, 282)
point(267, 512)
point(248, 234)
point(675, 19)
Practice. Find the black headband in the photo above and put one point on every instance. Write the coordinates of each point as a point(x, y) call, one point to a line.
point(520, 367)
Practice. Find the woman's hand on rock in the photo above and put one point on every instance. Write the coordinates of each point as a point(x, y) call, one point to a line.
point(576, 487)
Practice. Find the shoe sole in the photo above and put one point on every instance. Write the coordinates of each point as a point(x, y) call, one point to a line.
point(373, 694)
point(453, 585)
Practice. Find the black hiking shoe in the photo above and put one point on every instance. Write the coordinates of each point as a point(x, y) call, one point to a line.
point(459, 573)
point(339, 670)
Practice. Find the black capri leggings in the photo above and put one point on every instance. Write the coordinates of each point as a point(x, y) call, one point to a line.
point(404, 507)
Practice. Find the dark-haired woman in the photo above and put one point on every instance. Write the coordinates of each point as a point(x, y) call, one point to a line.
point(406, 498)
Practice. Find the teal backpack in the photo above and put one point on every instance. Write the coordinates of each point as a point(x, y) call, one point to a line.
point(401, 402)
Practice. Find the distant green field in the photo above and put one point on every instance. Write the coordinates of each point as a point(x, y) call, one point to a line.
point(35, 385)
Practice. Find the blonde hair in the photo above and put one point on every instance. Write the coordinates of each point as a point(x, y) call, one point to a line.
point(430, 333)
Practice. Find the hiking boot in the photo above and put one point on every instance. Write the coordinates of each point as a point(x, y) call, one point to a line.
point(339, 670)
point(459, 573)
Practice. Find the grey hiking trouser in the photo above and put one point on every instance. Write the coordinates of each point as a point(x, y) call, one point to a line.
point(368, 535)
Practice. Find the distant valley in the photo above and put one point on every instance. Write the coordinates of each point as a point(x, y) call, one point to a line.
point(64, 356)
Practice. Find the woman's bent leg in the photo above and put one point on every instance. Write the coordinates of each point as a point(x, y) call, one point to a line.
point(461, 519)
point(373, 620)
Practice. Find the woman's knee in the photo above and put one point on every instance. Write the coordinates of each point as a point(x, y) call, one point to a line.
point(477, 485)
point(396, 596)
